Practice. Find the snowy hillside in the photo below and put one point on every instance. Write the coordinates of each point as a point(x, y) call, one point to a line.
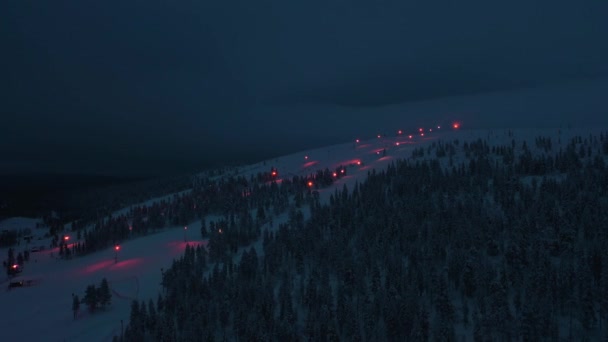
point(136, 273)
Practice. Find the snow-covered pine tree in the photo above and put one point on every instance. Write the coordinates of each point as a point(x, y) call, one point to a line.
point(75, 305)
point(91, 298)
point(104, 295)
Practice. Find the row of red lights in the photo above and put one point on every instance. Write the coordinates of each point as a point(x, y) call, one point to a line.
point(455, 125)
point(67, 237)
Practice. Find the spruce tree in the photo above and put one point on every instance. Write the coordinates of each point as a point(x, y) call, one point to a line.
point(135, 321)
point(90, 298)
point(75, 305)
point(204, 233)
point(152, 319)
point(105, 297)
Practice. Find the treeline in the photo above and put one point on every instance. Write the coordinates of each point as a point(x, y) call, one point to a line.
point(419, 251)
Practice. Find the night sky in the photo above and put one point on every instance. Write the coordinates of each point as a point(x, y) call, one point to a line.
point(160, 87)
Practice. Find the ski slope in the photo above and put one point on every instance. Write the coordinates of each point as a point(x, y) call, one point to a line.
point(43, 311)
point(47, 304)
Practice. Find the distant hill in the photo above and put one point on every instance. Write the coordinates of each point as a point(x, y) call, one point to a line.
point(35, 194)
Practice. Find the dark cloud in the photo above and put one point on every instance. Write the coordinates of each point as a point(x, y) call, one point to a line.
point(160, 87)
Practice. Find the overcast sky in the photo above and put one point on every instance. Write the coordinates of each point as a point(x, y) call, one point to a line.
point(168, 86)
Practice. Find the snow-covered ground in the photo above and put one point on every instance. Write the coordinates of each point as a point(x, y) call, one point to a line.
point(43, 311)
point(46, 305)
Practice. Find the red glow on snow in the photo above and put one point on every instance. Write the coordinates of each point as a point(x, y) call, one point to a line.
point(310, 163)
point(341, 164)
point(180, 246)
point(129, 263)
point(98, 266)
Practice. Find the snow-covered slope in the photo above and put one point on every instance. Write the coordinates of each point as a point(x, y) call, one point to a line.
point(43, 311)
point(47, 304)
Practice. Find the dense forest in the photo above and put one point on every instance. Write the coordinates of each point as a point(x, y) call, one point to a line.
point(464, 240)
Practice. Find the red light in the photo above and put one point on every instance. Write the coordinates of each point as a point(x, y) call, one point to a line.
point(306, 157)
point(410, 137)
point(399, 132)
point(378, 136)
point(66, 238)
point(342, 171)
point(220, 231)
point(397, 143)
point(274, 173)
point(358, 162)
point(438, 127)
point(310, 184)
point(185, 228)
point(335, 174)
point(421, 134)
point(420, 129)
point(456, 125)
point(15, 266)
point(357, 141)
point(117, 248)
point(430, 129)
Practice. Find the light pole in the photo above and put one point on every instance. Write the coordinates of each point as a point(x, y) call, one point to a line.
point(116, 249)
